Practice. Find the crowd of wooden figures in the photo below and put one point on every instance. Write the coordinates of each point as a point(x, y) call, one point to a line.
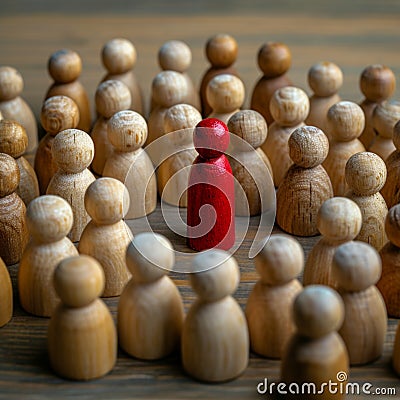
point(336, 167)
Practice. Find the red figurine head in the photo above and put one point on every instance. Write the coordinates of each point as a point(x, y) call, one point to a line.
point(211, 138)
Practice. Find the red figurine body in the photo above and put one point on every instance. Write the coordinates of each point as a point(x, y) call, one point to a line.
point(211, 198)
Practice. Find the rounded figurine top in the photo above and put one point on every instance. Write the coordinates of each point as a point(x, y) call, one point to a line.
point(221, 50)
point(11, 83)
point(392, 225)
point(169, 88)
point(325, 78)
point(112, 96)
point(377, 82)
point(175, 55)
point(181, 116)
point(385, 117)
point(9, 175)
point(118, 56)
point(65, 66)
point(13, 138)
point(274, 59)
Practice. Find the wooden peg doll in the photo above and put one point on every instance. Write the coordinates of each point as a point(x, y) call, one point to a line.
point(6, 295)
point(13, 230)
point(345, 122)
point(111, 97)
point(339, 220)
point(65, 67)
point(270, 303)
point(106, 236)
point(13, 141)
point(82, 339)
point(306, 185)
point(14, 107)
point(357, 268)
point(225, 95)
point(58, 113)
point(150, 310)
point(316, 353)
point(73, 152)
point(215, 342)
point(274, 60)
point(366, 174)
point(130, 164)
point(289, 107)
point(119, 58)
point(221, 51)
point(49, 219)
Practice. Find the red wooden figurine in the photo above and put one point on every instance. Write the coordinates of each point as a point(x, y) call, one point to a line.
point(211, 198)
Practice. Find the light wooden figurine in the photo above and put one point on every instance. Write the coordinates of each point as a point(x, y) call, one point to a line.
point(13, 141)
point(49, 219)
point(391, 189)
point(14, 107)
point(357, 268)
point(173, 173)
point(270, 303)
point(65, 67)
point(249, 163)
point(13, 230)
point(111, 97)
point(325, 79)
point(82, 339)
point(175, 55)
point(119, 58)
point(167, 89)
point(73, 152)
point(316, 352)
point(389, 283)
point(58, 113)
point(225, 95)
point(130, 164)
point(306, 185)
point(345, 122)
point(274, 60)
point(215, 341)
point(106, 237)
point(289, 107)
point(377, 83)
point(339, 220)
point(384, 118)
point(150, 310)
point(366, 174)
point(221, 51)
point(6, 295)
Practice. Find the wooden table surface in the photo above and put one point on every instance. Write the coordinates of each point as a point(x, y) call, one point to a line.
point(351, 33)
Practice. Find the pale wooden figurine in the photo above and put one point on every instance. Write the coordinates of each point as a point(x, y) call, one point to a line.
point(225, 95)
point(14, 107)
point(389, 283)
point(173, 173)
point(339, 220)
point(106, 237)
point(73, 152)
point(377, 83)
point(6, 295)
point(221, 51)
point(316, 352)
point(274, 60)
point(215, 341)
point(65, 67)
point(270, 303)
point(357, 268)
point(150, 310)
point(384, 118)
point(130, 164)
point(306, 185)
point(167, 89)
point(49, 219)
point(13, 231)
point(111, 97)
point(119, 58)
point(13, 141)
point(82, 339)
point(366, 174)
point(325, 79)
point(249, 163)
point(289, 107)
point(58, 113)
point(345, 122)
